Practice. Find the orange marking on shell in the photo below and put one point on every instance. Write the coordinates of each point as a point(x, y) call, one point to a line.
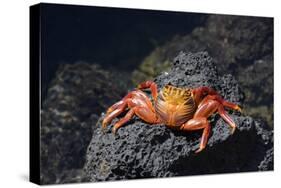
point(175, 105)
point(174, 95)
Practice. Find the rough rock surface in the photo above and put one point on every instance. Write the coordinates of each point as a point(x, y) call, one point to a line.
point(241, 46)
point(140, 150)
point(75, 99)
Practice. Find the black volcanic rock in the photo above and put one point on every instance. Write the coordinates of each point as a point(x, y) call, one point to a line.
point(76, 97)
point(140, 150)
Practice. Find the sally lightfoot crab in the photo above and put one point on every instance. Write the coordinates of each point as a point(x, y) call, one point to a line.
point(178, 108)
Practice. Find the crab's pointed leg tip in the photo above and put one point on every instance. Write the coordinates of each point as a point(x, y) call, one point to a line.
point(103, 125)
point(114, 130)
point(233, 130)
point(199, 150)
point(238, 109)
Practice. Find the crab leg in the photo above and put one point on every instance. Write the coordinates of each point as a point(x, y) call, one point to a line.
point(153, 87)
point(196, 124)
point(145, 113)
point(212, 94)
point(124, 120)
point(199, 121)
point(205, 109)
point(137, 103)
point(220, 108)
point(226, 118)
point(231, 105)
point(118, 104)
point(115, 110)
point(115, 106)
point(110, 116)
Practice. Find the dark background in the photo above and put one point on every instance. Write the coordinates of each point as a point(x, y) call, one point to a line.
point(113, 37)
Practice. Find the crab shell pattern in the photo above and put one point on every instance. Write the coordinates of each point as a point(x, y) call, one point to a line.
point(183, 109)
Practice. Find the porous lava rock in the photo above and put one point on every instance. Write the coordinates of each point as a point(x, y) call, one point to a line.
point(76, 96)
point(141, 150)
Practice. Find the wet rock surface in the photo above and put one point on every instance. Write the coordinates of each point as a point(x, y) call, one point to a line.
point(140, 150)
point(75, 99)
point(241, 46)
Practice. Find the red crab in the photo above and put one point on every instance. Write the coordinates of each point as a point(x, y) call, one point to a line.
point(179, 108)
